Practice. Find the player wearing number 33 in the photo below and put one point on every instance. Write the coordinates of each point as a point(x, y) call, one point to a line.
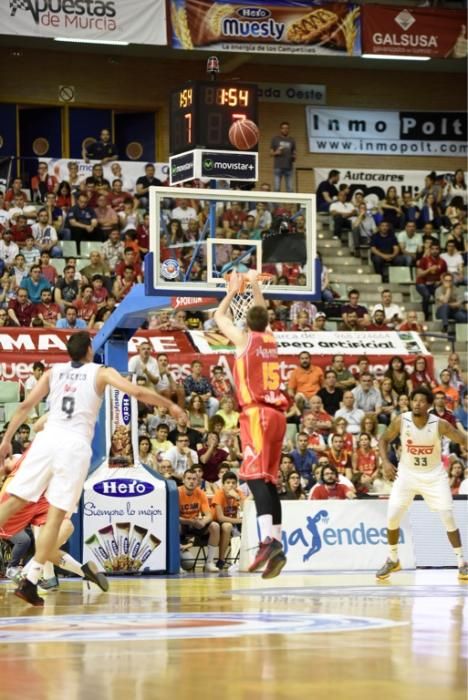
point(262, 421)
point(58, 460)
point(420, 472)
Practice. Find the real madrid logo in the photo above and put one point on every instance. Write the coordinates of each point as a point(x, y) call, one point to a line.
point(170, 269)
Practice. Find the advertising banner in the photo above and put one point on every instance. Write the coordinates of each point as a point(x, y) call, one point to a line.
point(121, 428)
point(382, 132)
point(330, 535)
point(136, 22)
point(124, 520)
point(414, 31)
point(125, 170)
point(378, 181)
point(292, 93)
point(275, 26)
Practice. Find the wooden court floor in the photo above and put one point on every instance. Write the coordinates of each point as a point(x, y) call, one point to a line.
point(324, 636)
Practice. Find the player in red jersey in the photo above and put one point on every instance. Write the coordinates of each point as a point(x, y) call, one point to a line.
point(262, 420)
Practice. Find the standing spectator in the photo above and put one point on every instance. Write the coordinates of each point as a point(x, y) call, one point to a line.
point(71, 320)
point(21, 310)
point(47, 310)
point(385, 250)
point(354, 306)
point(67, 288)
point(431, 268)
point(450, 302)
point(82, 221)
point(195, 383)
point(305, 379)
point(342, 212)
point(102, 149)
point(367, 398)
point(35, 283)
point(283, 151)
point(329, 486)
point(411, 243)
point(143, 183)
point(304, 459)
point(327, 191)
point(330, 393)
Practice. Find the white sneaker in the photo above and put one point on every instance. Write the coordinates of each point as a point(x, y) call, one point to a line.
point(234, 569)
point(14, 573)
point(210, 568)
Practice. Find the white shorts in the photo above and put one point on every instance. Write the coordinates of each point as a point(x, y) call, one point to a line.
point(433, 486)
point(56, 465)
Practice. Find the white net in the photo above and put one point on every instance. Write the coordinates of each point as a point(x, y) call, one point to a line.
point(243, 300)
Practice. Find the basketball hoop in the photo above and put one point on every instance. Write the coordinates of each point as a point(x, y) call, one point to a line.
point(243, 300)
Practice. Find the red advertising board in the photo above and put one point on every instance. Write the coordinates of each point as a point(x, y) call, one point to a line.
point(414, 31)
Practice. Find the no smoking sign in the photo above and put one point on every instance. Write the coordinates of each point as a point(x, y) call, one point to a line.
point(66, 93)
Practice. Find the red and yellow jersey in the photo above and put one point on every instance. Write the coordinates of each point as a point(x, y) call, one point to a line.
point(366, 462)
point(30, 513)
point(257, 372)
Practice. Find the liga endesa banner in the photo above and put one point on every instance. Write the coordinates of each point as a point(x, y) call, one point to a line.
point(386, 132)
point(20, 348)
point(125, 170)
point(274, 26)
point(414, 31)
point(131, 21)
point(378, 181)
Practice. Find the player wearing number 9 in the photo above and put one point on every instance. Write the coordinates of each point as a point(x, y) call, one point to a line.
point(262, 421)
point(58, 460)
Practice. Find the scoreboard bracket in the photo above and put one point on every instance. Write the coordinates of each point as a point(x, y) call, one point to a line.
point(207, 163)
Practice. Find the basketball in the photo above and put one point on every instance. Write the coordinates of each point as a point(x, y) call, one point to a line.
point(244, 134)
point(186, 561)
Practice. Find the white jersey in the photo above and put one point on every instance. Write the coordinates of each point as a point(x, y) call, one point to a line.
point(73, 400)
point(420, 447)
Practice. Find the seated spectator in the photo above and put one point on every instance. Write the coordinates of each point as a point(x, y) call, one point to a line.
point(370, 425)
point(160, 415)
point(85, 306)
point(300, 306)
point(344, 378)
point(391, 209)
point(19, 271)
point(63, 199)
point(20, 231)
point(398, 376)
point(202, 483)
point(455, 476)
point(42, 183)
point(123, 285)
point(353, 306)
point(411, 213)
point(47, 310)
point(198, 417)
point(350, 412)
point(8, 249)
point(393, 313)
point(129, 260)
point(96, 266)
point(338, 457)
point(302, 323)
point(21, 310)
point(457, 376)
point(322, 419)
point(211, 456)
point(431, 270)
point(381, 485)
point(117, 195)
point(315, 438)
point(304, 459)
point(363, 227)
point(411, 243)
point(221, 385)
point(320, 321)
point(294, 490)
point(286, 465)
point(411, 323)
point(342, 213)
point(385, 250)
point(378, 321)
point(362, 484)
point(229, 414)
point(365, 459)
point(112, 250)
point(165, 470)
point(362, 367)
point(143, 183)
point(330, 393)
point(15, 190)
point(106, 217)
point(195, 383)
point(367, 398)
point(452, 396)
point(145, 453)
point(389, 400)
point(421, 375)
point(181, 456)
point(196, 519)
point(305, 379)
point(48, 271)
point(351, 324)
point(327, 191)
point(82, 221)
point(160, 442)
point(35, 283)
point(450, 302)
point(340, 427)
point(71, 320)
point(101, 296)
point(329, 486)
point(461, 413)
point(143, 236)
point(226, 504)
point(182, 428)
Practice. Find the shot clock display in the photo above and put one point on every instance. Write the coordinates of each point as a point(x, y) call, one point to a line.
point(202, 113)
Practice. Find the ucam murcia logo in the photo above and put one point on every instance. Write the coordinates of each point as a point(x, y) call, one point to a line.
point(80, 14)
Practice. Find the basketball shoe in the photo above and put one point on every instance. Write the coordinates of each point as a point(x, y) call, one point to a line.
point(91, 573)
point(28, 591)
point(463, 572)
point(266, 550)
point(390, 567)
point(274, 565)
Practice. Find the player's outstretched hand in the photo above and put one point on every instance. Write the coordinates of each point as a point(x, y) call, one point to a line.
point(389, 470)
point(176, 411)
point(234, 281)
point(252, 275)
point(5, 451)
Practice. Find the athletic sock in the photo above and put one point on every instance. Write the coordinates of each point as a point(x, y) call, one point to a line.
point(48, 571)
point(34, 572)
point(393, 553)
point(69, 564)
point(276, 532)
point(212, 552)
point(460, 558)
point(265, 524)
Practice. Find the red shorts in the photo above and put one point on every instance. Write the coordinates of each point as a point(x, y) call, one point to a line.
point(262, 432)
point(31, 514)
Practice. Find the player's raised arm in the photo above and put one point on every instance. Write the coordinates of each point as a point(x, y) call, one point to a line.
point(388, 436)
point(223, 317)
point(453, 434)
point(108, 375)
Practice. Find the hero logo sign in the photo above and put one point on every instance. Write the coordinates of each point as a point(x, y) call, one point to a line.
point(122, 488)
point(126, 409)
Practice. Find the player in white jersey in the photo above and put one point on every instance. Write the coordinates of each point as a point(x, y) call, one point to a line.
point(420, 472)
point(58, 460)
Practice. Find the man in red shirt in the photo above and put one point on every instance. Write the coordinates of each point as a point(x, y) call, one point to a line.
point(378, 322)
point(85, 306)
point(47, 310)
point(42, 183)
point(129, 260)
point(330, 489)
point(21, 310)
point(440, 409)
point(20, 231)
point(338, 457)
point(430, 270)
